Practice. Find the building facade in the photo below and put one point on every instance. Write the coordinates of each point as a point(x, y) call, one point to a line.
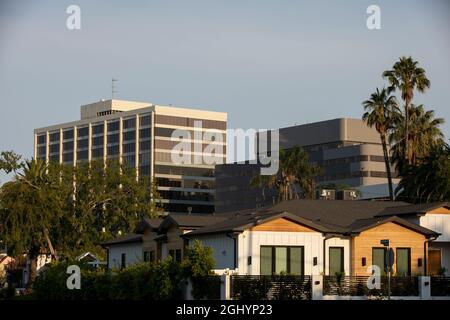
point(347, 150)
point(146, 137)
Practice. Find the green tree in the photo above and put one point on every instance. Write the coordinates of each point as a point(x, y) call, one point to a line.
point(10, 161)
point(424, 133)
point(407, 76)
point(381, 112)
point(430, 180)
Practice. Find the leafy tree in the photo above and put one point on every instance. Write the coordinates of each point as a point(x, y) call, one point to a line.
point(430, 180)
point(10, 161)
point(381, 113)
point(423, 134)
point(295, 177)
point(407, 76)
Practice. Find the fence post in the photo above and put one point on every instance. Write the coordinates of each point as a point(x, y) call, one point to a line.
point(424, 288)
point(225, 286)
point(317, 287)
point(188, 290)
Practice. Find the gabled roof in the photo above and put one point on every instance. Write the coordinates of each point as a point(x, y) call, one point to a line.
point(190, 221)
point(365, 224)
point(151, 223)
point(129, 238)
point(341, 213)
point(241, 222)
point(413, 209)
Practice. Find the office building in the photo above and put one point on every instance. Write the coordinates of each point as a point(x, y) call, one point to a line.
point(139, 134)
point(347, 150)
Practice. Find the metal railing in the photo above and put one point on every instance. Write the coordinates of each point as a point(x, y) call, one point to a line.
point(277, 287)
point(440, 286)
point(358, 286)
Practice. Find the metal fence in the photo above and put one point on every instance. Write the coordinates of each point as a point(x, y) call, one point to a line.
point(440, 286)
point(278, 287)
point(358, 286)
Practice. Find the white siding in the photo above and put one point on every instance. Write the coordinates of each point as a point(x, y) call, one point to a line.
point(223, 249)
point(133, 254)
point(439, 223)
point(251, 241)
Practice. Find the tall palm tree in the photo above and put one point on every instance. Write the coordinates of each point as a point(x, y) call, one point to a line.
point(424, 134)
point(407, 76)
point(381, 110)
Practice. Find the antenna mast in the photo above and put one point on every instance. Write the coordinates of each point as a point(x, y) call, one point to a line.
point(113, 87)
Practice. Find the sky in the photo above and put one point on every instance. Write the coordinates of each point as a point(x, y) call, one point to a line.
point(268, 64)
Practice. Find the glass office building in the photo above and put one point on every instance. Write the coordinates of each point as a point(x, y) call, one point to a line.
point(145, 136)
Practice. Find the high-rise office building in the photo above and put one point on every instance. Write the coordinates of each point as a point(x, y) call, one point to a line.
point(347, 150)
point(143, 135)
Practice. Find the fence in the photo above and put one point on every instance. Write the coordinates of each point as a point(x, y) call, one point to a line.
point(440, 286)
point(358, 286)
point(282, 287)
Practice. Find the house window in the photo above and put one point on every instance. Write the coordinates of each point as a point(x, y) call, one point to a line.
point(275, 260)
point(403, 261)
point(378, 258)
point(123, 261)
point(175, 254)
point(336, 260)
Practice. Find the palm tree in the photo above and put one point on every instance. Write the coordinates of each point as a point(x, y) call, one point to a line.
point(424, 134)
point(381, 110)
point(406, 76)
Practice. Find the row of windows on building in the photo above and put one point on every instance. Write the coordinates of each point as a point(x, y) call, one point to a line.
point(360, 158)
point(354, 174)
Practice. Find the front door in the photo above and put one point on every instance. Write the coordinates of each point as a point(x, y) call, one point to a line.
point(434, 261)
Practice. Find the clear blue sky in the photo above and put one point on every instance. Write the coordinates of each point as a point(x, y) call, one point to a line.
point(268, 64)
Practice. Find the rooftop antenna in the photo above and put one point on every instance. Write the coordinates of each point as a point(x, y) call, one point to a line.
point(113, 87)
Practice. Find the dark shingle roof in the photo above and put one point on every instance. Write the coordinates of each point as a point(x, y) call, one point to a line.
point(337, 212)
point(192, 221)
point(129, 238)
point(364, 224)
point(152, 223)
point(413, 209)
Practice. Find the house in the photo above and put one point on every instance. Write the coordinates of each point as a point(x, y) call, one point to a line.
point(155, 239)
point(434, 216)
point(327, 241)
point(310, 237)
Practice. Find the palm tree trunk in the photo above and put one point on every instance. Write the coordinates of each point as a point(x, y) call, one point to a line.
point(407, 155)
point(388, 167)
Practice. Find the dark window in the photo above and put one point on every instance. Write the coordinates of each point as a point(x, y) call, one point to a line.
point(113, 138)
point(113, 126)
point(54, 148)
point(336, 260)
point(145, 133)
point(123, 261)
point(185, 171)
point(98, 129)
point(129, 123)
point(145, 120)
point(97, 141)
point(68, 134)
point(41, 139)
point(54, 158)
point(130, 161)
point(144, 159)
point(68, 157)
point(82, 155)
point(129, 147)
point(178, 255)
point(377, 158)
point(83, 132)
point(114, 150)
point(54, 136)
point(129, 135)
point(97, 153)
point(403, 261)
point(144, 145)
point(84, 143)
point(277, 259)
point(68, 146)
point(41, 151)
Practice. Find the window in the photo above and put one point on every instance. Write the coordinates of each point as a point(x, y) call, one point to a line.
point(98, 129)
point(82, 132)
point(336, 260)
point(123, 261)
point(145, 120)
point(41, 139)
point(68, 134)
point(175, 254)
point(403, 261)
point(149, 256)
point(54, 136)
point(113, 126)
point(129, 123)
point(275, 260)
point(378, 258)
